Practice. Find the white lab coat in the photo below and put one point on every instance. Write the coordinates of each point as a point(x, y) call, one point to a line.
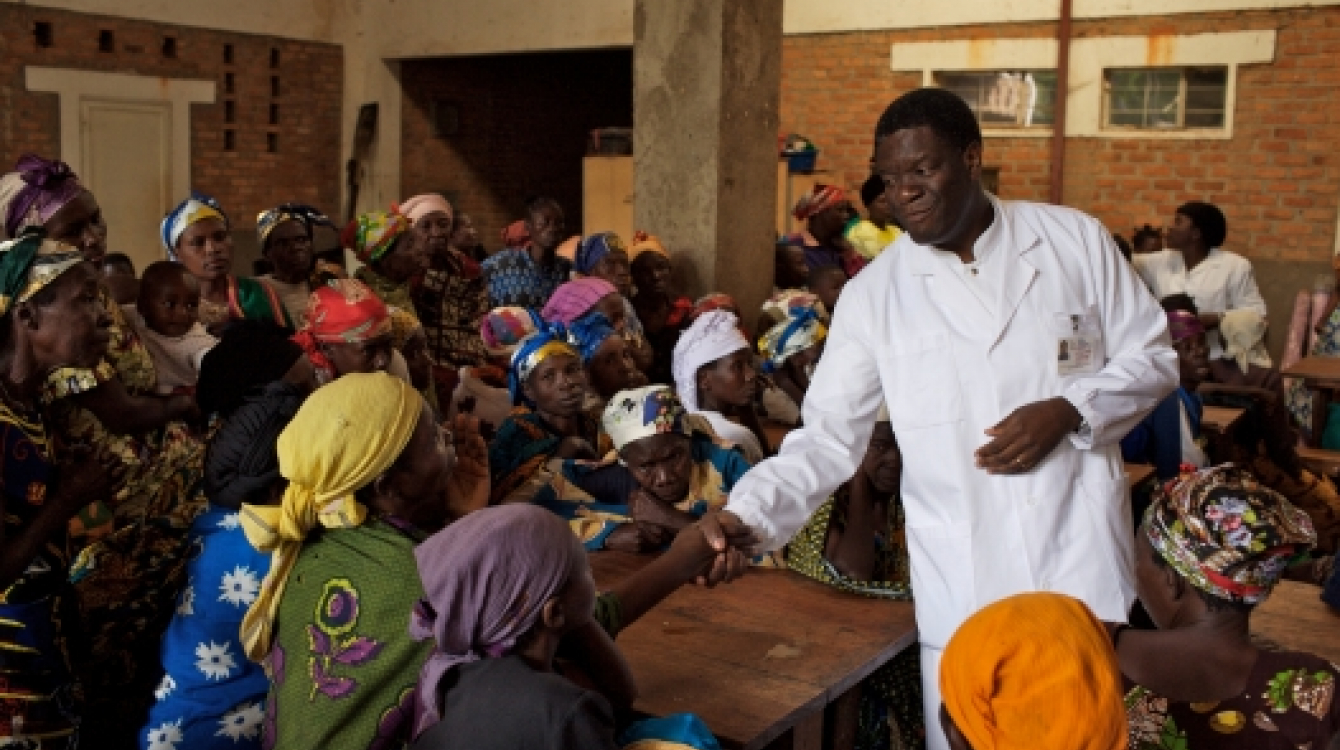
point(1223, 281)
point(909, 330)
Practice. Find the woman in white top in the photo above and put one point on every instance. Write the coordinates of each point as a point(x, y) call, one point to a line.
point(715, 378)
point(1194, 263)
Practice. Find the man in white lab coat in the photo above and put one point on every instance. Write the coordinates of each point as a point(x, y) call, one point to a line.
point(1014, 347)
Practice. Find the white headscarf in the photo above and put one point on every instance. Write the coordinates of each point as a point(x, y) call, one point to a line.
point(1244, 332)
point(713, 335)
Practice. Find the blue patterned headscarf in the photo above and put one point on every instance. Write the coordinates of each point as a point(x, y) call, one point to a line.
point(593, 248)
point(196, 208)
point(791, 336)
point(588, 332)
point(550, 339)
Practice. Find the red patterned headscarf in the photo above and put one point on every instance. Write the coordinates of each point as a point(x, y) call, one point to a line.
point(344, 311)
point(821, 197)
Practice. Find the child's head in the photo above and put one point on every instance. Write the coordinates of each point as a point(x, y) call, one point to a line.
point(826, 282)
point(499, 581)
point(790, 271)
point(1193, 352)
point(648, 428)
point(117, 264)
point(169, 298)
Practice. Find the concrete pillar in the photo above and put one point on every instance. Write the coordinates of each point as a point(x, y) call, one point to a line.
point(706, 91)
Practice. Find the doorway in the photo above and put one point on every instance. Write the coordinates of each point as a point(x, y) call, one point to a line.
point(127, 150)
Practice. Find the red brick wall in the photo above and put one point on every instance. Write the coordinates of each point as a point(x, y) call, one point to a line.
point(306, 167)
point(524, 121)
point(1277, 179)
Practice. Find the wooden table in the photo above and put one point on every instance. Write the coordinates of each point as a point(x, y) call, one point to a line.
point(1221, 418)
point(1321, 375)
point(759, 657)
point(1295, 618)
point(1138, 474)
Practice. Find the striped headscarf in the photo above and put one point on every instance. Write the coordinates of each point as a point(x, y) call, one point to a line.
point(267, 220)
point(34, 192)
point(31, 262)
point(372, 235)
point(196, 208)
point(818, 199)
point(504, 328)
point(792, 336)
point(593, 248)
point(548, 340)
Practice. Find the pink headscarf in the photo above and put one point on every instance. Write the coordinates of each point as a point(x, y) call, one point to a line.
point(485, 580)
point(421, 205)
point(1183, 325)
point(575, 299)
point(34, 192)
point(817, 200)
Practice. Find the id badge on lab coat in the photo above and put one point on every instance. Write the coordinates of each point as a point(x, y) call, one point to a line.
point(1079, 343)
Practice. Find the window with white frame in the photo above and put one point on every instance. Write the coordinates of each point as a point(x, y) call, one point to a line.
point(1005, 98)
point(1165, 98)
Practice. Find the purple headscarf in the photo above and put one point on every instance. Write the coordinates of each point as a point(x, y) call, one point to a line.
point(35, 191)
point(486, 578)
point(1183, 325)
point(575, 299)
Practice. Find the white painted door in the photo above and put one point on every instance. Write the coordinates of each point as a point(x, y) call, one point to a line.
point(127, 150)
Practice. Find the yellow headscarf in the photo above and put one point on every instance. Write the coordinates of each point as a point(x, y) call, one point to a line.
point(345, 435)
point(643, 243)
point(1035, 671)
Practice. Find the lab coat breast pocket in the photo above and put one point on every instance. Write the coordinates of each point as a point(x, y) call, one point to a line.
point(921, 383)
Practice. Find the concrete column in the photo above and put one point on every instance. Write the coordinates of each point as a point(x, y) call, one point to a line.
point(706, 91)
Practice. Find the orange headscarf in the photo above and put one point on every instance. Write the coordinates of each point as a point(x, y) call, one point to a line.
point(643, 242)
point(1035, 671)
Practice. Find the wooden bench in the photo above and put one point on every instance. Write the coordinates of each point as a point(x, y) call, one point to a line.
point(1295, 618)
point(1321, 460)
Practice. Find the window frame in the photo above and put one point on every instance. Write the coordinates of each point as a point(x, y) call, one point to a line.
point(1000, 128)
point(1226, 114)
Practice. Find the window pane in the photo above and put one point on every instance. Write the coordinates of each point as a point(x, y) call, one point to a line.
point(1004, 98)
point(1154, 97)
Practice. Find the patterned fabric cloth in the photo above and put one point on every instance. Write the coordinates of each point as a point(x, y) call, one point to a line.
point(1227, 534)
point(451, 301)
point(309, 217)
point(790, 337)
point(196, 208)
point(37, 611)
point(372, 235)
point(1327, 345)
point(891, 710)
point(504, 328)
point(593, 248)
point(248, 299)
point(211, 695)
point(547, 341)
point(643, 412)
point(393, 294)
point(343, 668)
point(345, 435)
point(713, 301)
point(343, 311)
point(819, 198)
point(34, 192)
point(1289, 704)
point(515, 279)
point(524, 443)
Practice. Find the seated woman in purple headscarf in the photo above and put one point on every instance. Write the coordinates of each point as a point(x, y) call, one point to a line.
point(505, 588)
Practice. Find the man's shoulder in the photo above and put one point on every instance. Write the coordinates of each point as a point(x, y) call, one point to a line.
point(1030, 212)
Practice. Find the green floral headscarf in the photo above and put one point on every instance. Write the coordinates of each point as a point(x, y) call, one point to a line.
point(30, 262)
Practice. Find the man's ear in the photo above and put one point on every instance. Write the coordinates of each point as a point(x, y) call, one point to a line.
point(972, 158)
point(552, 615)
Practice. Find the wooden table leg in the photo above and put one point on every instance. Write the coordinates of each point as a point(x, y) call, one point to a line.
point(1321, 402)
point(808, 733)
point(844, 716)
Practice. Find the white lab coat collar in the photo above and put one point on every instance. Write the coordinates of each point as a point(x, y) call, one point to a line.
point(1017, 240)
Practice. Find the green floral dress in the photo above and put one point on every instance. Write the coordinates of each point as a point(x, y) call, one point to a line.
point(132, 546)
point(1289, 704)
point(891, 710)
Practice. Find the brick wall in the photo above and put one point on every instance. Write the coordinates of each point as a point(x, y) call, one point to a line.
point(248, 178)
point(523, 120)
point(1277, 179)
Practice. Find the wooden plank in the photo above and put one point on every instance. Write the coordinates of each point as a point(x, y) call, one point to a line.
point(780, 646)
point(809, 733)
point(1314, 368)
point(1138, 474)
point(844, 716)
point(1321, 460)
point(1295, 618)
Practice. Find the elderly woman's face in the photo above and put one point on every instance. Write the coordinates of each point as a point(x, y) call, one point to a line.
point(289, 248)
point(419, 478)
point(661, 464)
point(206, 249)
point(79, 224)
point(557, 385)
point(434, 230)
point(614, 269)
point(69, 327)
point(373, 355)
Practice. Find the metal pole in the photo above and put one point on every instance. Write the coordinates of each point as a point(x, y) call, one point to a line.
point(1062, 95)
